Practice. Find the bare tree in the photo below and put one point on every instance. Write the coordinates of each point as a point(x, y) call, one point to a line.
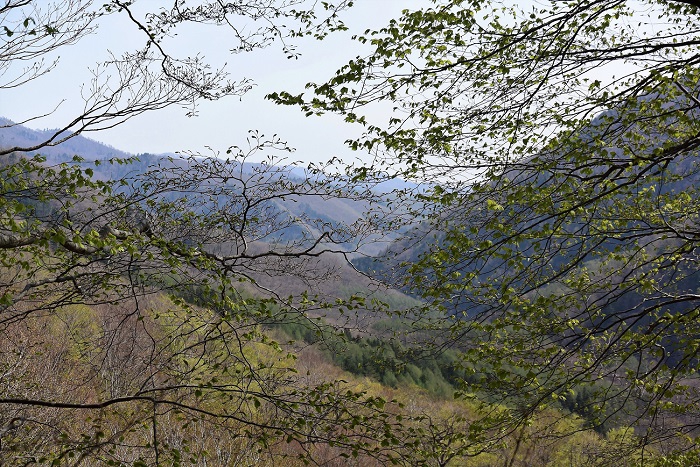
point(152, 77)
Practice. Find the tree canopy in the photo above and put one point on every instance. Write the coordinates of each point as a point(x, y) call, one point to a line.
point(558, 142)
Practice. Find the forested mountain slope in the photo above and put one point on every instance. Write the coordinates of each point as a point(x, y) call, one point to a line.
point(137, 315)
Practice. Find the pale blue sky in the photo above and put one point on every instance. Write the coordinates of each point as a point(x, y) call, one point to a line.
point(219, 124)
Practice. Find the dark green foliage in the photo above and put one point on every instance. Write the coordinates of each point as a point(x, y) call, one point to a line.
point(386, 360)
point(583, 401)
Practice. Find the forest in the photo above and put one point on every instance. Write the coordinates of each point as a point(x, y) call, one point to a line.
point(506, 275)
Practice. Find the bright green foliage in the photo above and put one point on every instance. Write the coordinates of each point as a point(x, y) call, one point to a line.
point(560, 233)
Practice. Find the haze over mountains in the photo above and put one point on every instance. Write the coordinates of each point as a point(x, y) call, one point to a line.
point(12, 135)
point(334, 210)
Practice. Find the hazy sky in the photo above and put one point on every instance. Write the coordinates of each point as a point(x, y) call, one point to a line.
point(219, 124)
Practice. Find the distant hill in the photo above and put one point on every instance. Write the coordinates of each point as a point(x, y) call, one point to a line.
point(331, 210)
point(12, 135)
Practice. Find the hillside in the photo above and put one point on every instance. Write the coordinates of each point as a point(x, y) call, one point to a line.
point(621, 178)
point(133, 302)
point(574, 272)
point(207, 308)
point(297, 211)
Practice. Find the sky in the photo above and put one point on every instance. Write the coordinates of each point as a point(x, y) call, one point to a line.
point(222, 123)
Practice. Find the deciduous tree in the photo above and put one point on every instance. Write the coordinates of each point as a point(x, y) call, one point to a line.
point(559, 141)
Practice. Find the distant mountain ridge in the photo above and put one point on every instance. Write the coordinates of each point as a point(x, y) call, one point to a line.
point(329, 209)
point(12, 134)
